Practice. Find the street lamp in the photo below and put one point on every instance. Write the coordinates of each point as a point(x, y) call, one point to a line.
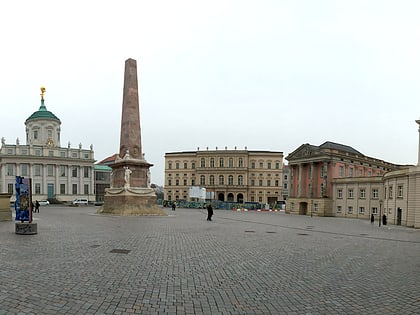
point(380, 212)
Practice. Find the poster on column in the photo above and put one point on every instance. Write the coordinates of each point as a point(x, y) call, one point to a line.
point(23, 199)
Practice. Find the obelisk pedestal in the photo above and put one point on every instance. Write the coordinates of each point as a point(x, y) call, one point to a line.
point(130, 193)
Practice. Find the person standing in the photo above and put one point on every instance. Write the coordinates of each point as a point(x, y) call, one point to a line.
point(36, 206)
point(209, 212)
point(173, 206)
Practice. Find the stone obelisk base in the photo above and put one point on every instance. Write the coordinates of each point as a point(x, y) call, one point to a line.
point(5, 211)
point(131, 201)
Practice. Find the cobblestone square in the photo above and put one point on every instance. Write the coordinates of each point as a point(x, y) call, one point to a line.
point(239, 263)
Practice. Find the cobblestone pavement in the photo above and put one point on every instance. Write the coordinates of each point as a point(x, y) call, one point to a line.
point(240, 263)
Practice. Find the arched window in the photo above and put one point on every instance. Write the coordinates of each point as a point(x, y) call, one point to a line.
point(230, 180)
point(241, 162)
point(202, 180)
point(230, 162)
point(221, 162)
point(221, 180)
point(212, 162)
point(211, 179)
point(240, 180)
point(203, 162)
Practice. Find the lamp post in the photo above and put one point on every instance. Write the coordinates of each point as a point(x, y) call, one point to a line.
point(380, 212)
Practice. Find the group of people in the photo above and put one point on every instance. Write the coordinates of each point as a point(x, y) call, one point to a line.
point(372, 219)
point(209, 210)
point(35, 207)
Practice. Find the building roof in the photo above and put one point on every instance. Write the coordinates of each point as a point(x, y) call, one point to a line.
point(43, 113)
point(99, 167)
point(109, 160)
point(339, 147)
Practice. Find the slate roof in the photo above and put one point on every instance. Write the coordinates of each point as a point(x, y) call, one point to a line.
point(339, 147)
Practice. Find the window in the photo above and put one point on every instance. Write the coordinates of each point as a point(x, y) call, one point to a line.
point(177, 165)
point(74, 171)
point(260, 183)
point(202, 180)
point(62, 154)
point(10, 151)
point(193, 165)
point(35, 134)
point(361, 210)
point(74, 189)
point(351, 171)
point(322, 190)
point(212, 162)
point(10, 189)
point(49, 131)
point(24, 169)
point(38, 152)
point(261, 164)
point(192, 182)
point(74, 154)
point(252, 164)
point(86, 172)
point(221, 180)
point(268, 183)
point(240, 180)
point(50, 170)
point(62, 170)
point(170, 165)
point(169, 182)
point(221, 162)
point(362, 193)
point(374, 210)
point(185, 182)
point(62, 189)
point(38, 188)
point(390, 192)
point(341, 171)
point(315, 209)
point(10, 169)
point(284, 185)
point(339, 193)
point(230, 180)
point(252, 182)
point(400, 191)
point(176, 182)
point(211, 179)
point(202, 162)
point(230, 162)
point(50, 153)
point(86, 189)
point(277, 165)
point(338, 209)
point(375, 193)
point(241, 162)
point(350, 210)
point(350, 193)
point(285, 177)
point(185, 165)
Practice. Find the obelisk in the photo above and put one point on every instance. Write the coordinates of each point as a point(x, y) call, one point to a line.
point(130, 193)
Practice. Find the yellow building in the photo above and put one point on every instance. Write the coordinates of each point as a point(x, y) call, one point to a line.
point(228, 175)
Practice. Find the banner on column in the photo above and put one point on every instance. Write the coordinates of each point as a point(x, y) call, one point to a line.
point(23, 204)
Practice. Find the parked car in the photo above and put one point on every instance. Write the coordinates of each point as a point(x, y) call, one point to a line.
point(80, 201)
point(44, 202)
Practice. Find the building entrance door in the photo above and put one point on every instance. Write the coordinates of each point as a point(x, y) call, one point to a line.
point(399, 216)
point(303, 208)
point(50, 191)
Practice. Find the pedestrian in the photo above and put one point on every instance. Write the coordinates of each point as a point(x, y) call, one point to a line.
point(372, 218)
point(36, 206)
point(32, 207)
point(209, 212)
point(173, 206)
point(384, 219)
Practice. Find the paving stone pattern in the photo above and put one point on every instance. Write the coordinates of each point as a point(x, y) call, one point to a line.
point(239, 263)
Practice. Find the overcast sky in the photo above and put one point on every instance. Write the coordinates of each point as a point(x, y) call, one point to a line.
point(269, 75)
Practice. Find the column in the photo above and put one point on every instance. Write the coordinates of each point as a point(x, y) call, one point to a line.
point(418, 157)
point(300, 181)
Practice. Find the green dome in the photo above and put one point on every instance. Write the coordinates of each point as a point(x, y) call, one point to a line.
point(42, 113)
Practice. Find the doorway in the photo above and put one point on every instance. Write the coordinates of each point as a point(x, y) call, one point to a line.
point(303, 208)
point(399, 216)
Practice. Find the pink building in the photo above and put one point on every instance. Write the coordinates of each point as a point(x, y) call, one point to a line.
point(314, 170)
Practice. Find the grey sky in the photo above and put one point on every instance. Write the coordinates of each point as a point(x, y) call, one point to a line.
point(269, 75)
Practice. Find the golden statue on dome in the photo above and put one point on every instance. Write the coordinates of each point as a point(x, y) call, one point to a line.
point(43, 90)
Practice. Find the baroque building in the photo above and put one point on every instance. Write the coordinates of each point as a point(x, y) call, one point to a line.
point(61, 173)
point(228, 175)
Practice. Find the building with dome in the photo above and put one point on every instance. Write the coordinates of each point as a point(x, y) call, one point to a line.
point(60, 173)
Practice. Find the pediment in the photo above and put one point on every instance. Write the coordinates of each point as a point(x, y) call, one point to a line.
point(303, 152)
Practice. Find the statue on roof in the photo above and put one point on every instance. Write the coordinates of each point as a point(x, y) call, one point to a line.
point(43, 90)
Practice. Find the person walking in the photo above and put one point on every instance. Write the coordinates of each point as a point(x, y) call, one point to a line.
point(209, 212)
point(36, 206)
point(372, 218)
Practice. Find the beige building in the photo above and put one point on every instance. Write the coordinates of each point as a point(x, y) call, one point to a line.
point(228, 175)
point(61, 173)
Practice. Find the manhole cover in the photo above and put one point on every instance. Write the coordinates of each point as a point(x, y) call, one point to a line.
point(120, 251)
point(249, 231)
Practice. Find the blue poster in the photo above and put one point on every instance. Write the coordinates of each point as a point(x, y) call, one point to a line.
point(23, 199)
